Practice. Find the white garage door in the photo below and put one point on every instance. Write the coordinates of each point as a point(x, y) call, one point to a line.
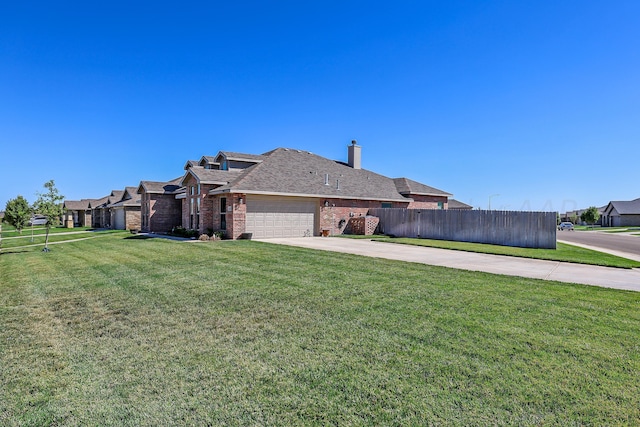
point(280, 216)
point(118, 219)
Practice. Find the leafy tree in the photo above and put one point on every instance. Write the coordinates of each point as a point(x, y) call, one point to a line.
point(17, 213)
point(591, 215)
point(49, 205)
point(574, 218)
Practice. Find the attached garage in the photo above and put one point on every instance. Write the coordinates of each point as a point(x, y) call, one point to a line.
point(119, 219)
point(271, 216)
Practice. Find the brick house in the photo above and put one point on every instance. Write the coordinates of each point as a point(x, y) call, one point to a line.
point(119, 210)
point(160, 211)
point(77, 213)
point(125, 213)
point(287, 192)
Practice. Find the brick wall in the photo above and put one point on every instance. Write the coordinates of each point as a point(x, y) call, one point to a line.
point(236, 219)
point(427, 202)
point(363, 226)
point(132, 218)
point(336, 216)
point(165, 212)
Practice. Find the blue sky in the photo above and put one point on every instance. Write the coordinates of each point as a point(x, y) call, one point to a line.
point(534, 105)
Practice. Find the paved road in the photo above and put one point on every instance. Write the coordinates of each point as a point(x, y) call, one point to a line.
point(618, 278)
point(617, 243)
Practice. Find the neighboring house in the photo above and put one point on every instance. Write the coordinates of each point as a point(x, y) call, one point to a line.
point(574, 216)
point(125, 213)
point(288, 192)
point(77, 213)
point(102, 211)
point(97, 212)
point(160, 210)
point(455, 204)
point(622, 213)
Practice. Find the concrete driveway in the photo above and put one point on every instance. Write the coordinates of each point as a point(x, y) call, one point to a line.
point(617, 278)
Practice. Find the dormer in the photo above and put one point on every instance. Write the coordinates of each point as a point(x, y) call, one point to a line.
point(190, 164)
point(229, 161)
point(209, 162)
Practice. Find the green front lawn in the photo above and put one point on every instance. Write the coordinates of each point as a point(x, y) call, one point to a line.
point(9, 231)
point(563, 252)
point(128, 331)
point(56, 235)
point(621, 230)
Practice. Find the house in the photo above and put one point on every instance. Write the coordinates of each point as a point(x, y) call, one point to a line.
point(288, 192)
point(160, 210)
point(622, 213)
point(125, 213)
point(101, 211)
point(77, 213)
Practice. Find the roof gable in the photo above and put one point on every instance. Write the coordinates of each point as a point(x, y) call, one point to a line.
point(631, 207)
point(160, 187)
point(209, 176)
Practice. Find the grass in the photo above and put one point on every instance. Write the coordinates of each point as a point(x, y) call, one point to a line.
point(622, 230)
point(11, 239)
point(563, 252)
point(127, 331)
point(10, 232)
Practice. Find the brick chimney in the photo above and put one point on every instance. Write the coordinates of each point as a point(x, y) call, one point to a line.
point(355, 155)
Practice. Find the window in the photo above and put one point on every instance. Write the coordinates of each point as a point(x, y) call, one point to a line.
point(224, 165)
point(387, 204)
point(440, 205)
point(197, 224)
point(191, 213)
point(223, 213)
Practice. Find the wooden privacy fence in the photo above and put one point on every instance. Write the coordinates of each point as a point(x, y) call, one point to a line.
point(507, 228)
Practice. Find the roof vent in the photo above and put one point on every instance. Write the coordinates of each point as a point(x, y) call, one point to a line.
point(337, 184)
point(326, 179)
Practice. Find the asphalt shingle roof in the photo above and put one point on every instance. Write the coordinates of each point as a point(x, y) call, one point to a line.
point(211, 176)
point(167, 187)
point(631, 207)
point(96, 203)
point(407, 186)
point(456, 204)
point(230, 155)
point(76, 205)
point(296, 172)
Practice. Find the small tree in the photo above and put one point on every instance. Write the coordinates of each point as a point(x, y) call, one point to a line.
point(574, 218)
point(49, 205)
point(591, 215)
point(17, 213)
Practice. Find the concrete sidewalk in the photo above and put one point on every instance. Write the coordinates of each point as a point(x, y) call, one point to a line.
point(617, 278)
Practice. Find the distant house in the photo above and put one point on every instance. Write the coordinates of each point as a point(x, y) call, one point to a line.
point(125, 213)
point(288, 192)
point(160, 210)
point(77, 213)
point(622, 213)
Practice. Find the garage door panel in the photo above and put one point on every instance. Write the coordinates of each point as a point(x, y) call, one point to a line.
point(280, 216)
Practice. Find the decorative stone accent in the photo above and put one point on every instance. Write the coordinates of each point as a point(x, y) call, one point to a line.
point(364, 225)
